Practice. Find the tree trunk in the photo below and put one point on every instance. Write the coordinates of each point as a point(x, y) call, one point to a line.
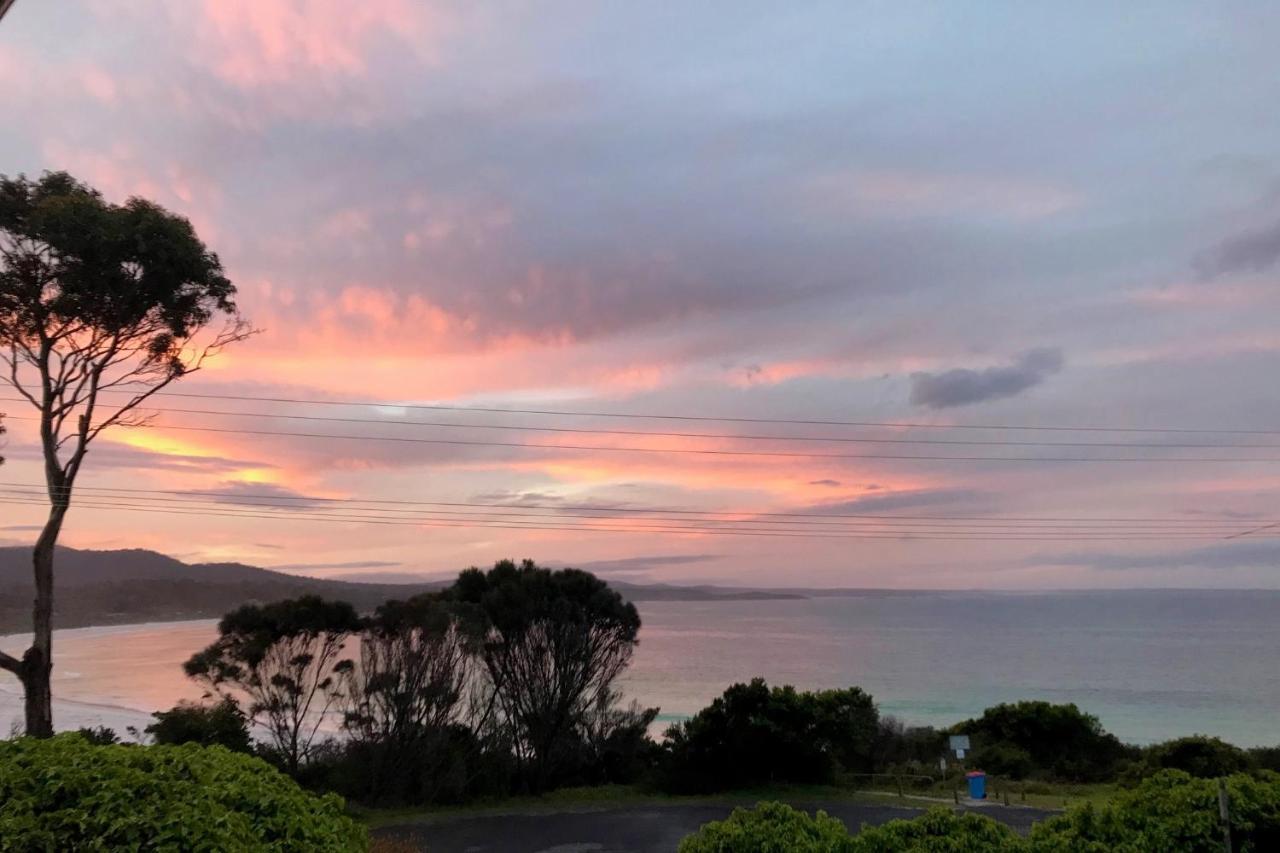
point(37, 663)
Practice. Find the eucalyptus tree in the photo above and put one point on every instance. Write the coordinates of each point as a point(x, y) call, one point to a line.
point(101, 307)
point(285, 659)
point(553, 644)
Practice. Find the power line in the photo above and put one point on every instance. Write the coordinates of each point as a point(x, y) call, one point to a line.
point(820, 526)
point(707, 418)
point(385, 502)
point(708, 451)
point(902, 536)
point(726, 436)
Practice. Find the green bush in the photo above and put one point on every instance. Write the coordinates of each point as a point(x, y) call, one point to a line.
point(769, 828)
point(1199, 755)
point(754, 734)
point(939, 830)
point(1170, 811)
point(67, 794)
point(223, 724)
point(1043, 739)
point(778, 828)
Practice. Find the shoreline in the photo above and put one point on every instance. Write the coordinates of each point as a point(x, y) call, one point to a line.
point(72, 714)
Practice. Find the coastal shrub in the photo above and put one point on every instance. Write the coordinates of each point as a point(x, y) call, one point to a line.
point(1199, 755)
point(1029, 739)
point(773, 827)
point(221, 724)
point(911, 749)
point(769, 828)
point(99, 735)
point(1169, 811)
point(939, 830)
point(449, 766)
point(754, 734)
point(65, 793)
point(1265, 758)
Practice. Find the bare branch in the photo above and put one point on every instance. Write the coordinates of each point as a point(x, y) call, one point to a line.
point(10, 663)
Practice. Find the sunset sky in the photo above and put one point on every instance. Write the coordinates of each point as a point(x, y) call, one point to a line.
point(974, 214)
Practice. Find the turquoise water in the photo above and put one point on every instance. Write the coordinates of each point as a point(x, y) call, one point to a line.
point(1151, 664)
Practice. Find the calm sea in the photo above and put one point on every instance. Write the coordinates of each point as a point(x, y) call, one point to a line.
point(1152, 665)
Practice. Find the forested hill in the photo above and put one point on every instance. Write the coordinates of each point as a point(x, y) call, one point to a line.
point(120, 587)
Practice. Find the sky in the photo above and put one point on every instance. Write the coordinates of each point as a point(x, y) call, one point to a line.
point(944, 214)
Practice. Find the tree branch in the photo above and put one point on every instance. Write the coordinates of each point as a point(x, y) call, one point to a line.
point(10, 663)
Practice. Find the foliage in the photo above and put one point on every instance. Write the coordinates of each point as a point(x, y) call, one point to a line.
point(773, 827)
point(552, 644)
point(1040, 738)
point(1169, 811)
point(769, 828)
point(1199, 755)
point(282, 657)
point(939, 830)
point(911, 748)
point(1266, 757)
point(754, 734)
point(221, 724)
point(95, 299)
point(67, 794)
point(99, 736)
point(410, 676)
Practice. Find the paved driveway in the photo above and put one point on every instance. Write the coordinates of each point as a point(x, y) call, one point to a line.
point(631, 829)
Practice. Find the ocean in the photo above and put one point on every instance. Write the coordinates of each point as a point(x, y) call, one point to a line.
point(1150, 664)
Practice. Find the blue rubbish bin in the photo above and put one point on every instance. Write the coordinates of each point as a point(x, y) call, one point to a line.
point(977, 785)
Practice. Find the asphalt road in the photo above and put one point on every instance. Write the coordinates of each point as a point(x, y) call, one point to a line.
point(632, 829)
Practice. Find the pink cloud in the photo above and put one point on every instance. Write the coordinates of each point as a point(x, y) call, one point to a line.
point(254, 43)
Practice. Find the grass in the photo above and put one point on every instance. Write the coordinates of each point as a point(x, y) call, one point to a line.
point(1042, 795)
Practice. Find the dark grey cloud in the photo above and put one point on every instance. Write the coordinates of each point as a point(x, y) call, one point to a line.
point(21, 528)
point(963, 387)
point(902, 500)
point(1256, 251)
point(831, 483)
point(1244, 554)
point(261, 496)
point(643, 565)
point(357, 564)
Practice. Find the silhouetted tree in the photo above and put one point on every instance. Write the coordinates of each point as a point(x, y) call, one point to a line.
point(101, 306)
point(282, 657)
point(411, 673)
point(552, 643)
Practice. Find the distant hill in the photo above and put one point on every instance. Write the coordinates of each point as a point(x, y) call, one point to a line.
point(120, 587)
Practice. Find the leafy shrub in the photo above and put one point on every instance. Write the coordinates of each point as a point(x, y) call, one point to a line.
point(911, 748)
point(1266, 757)
point(754, 734)
point(1170, 811)
point(1040, 738)
point(99, 736)
point(939, 830)
point(769, 828)
point(778, 828)
point(1199, 755)
point(223, 724)
point(67, 794)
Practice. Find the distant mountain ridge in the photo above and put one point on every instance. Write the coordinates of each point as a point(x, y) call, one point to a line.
point(138, 585)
